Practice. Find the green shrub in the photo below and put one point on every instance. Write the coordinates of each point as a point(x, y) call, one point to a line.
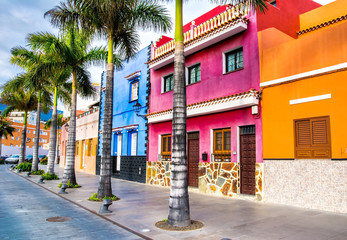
point(95, 198)
point(38, 172)
point(25, 167)
point(2, 161)
point(49, 176)
point(44, 161)
point(69, 185)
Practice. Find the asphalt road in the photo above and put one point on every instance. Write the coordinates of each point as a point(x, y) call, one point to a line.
point(25, 208)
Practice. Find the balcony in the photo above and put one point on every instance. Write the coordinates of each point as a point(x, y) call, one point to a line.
point(224, 25)
point(223, 104)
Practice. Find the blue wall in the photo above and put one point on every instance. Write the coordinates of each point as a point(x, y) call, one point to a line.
point(123, 113)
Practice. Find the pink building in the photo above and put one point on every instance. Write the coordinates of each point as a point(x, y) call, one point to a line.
point(224, 125)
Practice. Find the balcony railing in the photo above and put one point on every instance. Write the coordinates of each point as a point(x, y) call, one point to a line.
point(231, 14)
point(88, 113)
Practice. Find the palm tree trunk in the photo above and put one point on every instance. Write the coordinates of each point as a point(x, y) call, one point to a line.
point(69, 170)
point(23, 140)
point(105, 188)
point(57, 149)
point(53, 136)
point(179, 213)
point(35, 164)
point(1, 146)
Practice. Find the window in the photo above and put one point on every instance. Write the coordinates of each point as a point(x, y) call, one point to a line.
point(134, 89)
point(312, 138)
point(194, 74)
point(234, 60)
point(18, 130)
point(17, 138)
point(222, 145)
point(28, 131)
point(89, 147)
point(76, 149)
point(166, 147)
point(132, 143)
point(12, 138)
point(168, 83)
point(273, 3)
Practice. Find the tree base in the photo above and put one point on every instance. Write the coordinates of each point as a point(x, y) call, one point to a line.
point(193, 226)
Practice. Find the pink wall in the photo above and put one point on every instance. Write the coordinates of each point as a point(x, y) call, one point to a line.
point(204, 124)
point(213, 83)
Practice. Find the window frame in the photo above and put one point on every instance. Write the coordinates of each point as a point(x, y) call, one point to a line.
point(225, 59)
point(188, 69)
point(166, 155)
point(132, 83)
point(163, 83)
point(223, 155)
point(312, 148)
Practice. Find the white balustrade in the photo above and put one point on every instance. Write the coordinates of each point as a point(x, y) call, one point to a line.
point(229, 15)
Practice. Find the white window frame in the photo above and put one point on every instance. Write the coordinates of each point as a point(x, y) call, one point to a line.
point(134, 144)
point(224, 58)
point(163, 82)
point(187, 72)
point(132, 84)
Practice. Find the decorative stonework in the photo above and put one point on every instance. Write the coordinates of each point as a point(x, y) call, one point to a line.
point(259, 169)
point(158, 173)
point(222, 179)
point(218, 178)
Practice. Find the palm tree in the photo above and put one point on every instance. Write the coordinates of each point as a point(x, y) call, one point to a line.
point(59, 120)
point(62, 89)
point(31, 60)
point(5, 129)
point(117, 21)
point(21, 100)
point(71, 52)
point(179, 213)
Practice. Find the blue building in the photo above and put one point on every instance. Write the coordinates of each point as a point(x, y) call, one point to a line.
point(129, 126)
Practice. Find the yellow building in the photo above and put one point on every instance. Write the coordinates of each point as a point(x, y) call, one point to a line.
point(304, 108)
point(86, 141)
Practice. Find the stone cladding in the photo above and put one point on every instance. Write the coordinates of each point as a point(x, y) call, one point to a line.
point(221, 179)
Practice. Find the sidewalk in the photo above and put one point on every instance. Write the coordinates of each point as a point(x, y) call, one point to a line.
point(140, 206)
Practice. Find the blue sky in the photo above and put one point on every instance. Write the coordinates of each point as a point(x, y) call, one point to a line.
point(18, 18)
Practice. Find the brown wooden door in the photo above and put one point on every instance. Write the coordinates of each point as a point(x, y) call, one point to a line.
point(193, 160)
point(247, 159)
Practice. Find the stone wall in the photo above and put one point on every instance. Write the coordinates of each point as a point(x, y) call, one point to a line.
point(221, 179)
point(315, 184)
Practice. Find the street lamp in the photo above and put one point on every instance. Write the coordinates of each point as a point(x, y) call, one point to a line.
point(137, 108)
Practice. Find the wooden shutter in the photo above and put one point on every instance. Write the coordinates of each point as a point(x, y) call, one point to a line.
point(222, 145)
point(166, 147)
point(312, 138)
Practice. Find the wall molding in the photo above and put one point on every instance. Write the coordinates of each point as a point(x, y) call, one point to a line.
point(310, 99)
point(314, 73)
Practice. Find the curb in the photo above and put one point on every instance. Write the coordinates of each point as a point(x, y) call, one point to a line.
point(79, 205)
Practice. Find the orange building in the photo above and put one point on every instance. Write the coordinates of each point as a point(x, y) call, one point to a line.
point(303, 80)
point(11, 142)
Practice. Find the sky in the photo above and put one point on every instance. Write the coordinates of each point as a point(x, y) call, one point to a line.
point(18, 18)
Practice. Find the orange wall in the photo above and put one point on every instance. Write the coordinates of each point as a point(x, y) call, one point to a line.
point(323, 14)
point(90, 158)
point(321, 48)
point(31, 135)
point(318, 49)
point(278, 114)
